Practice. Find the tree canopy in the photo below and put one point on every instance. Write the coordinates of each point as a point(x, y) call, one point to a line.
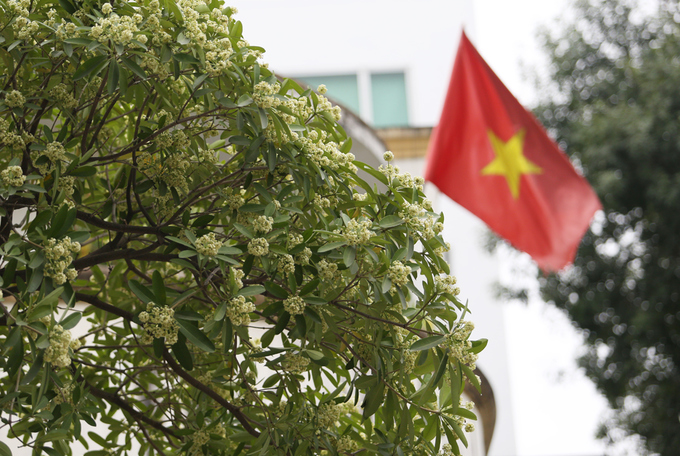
point(614, 107)
point(191, 262)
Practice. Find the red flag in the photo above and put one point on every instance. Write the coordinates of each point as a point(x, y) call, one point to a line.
point(492, 157)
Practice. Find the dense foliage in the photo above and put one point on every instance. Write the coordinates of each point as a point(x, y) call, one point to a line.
point(190, 261)
point(616, 76)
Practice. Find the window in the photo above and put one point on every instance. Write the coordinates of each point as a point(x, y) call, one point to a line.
point(342, 88)
point(388, 93)
point(379, 98)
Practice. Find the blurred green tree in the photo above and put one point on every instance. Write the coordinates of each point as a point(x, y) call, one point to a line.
point(614, 106)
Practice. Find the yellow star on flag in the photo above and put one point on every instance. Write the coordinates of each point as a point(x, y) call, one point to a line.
point(510, 161)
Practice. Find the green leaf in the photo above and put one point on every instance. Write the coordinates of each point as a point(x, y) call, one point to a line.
point(276, 290)
point(15, 356)
point(459, 432)
point(142, 292)
point(374, 399)
point(244, 100)
point(220, 312)
point(390, 221)
point(310, 286)
point(251, 291)
point(247, 232)
point(182, 353)
point(40, 311)
point(331, 246)
point(478, 345)
point(136, 69)
point(315, 300)
point(465, 413)
point(71, 321)
point(84, 171)
point(62, 221)
point(114, 77)
point(427, 343)
point(158, 288)
point(91, 66)
point(349, 255)
point(35, 280)
point(179, 241)
point(196, 336)
point(51, 298)
point(188, 315)
point(227, 250)
point(472, 377)
point(186, 58)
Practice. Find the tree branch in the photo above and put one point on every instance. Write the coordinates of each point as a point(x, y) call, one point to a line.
point(119, 227)
point(144, 254)
point(235, 411)
point(124, 405)
point(105, 306)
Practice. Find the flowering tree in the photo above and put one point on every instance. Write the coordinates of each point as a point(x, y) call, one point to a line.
point(190, 261)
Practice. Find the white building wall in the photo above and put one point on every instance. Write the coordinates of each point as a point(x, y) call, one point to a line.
point(316, 37)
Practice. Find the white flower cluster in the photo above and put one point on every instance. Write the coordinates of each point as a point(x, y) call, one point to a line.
point(324, 105)
point(408, 361)
point(239, 310)
point(238, 276)
point(55, 152)
point(398, 274)
point(235, 201)
point(320, 201)
point(286, 264)
point(63, 96)
point(14, 99)
point(446, 284)
point(57, 353)
point(175, 171)
point(24, 27)
point(418, 218)
point(208, 245)
point(388, 156)
point(159, 322)
point(322, 89)
point(207, 156)
point(262, 224)
point(11, 139)
point(12, 176)
point(294, 363)
point(174, 140)
point(263, 94)
point(459, 346)
point(357, 232)
point(346, 445)
point(294, 305)
point(199, 438)
point(64, 395)
point(324, 152)
point(117, 29)
point(258, 247)
point(58, 255)
point(304, 256)
point(66, 184)
point(328, 414)
point(328, 271)
point(294, 239)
